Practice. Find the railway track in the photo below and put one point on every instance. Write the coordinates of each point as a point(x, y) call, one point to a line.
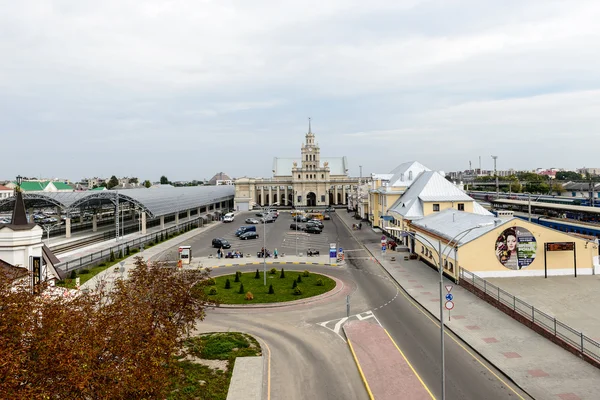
point(64, 248)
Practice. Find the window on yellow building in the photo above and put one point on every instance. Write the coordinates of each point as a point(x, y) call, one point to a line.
point(436, 207)
point(461, 206)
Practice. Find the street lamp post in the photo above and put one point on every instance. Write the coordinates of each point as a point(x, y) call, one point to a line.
point(454, 240)
point(265, 210)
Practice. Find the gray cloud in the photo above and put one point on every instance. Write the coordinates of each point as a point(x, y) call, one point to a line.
point(189, 88)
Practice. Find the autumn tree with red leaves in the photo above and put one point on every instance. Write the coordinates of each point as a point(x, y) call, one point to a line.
point(118, 342)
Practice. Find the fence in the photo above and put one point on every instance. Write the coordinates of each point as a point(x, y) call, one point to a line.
point(137, 243)
point(539, 321)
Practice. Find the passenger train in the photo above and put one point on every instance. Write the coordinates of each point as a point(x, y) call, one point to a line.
point(543, 198)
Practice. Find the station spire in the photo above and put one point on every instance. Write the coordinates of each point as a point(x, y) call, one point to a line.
point(309, 130)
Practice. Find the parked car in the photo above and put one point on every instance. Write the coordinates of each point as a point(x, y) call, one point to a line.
point(312, 229)
point(243, 229)
point(252, 221)
point(267, 220)
point(249, 235)
point(300, 218)
point(329, 209)
point(229, 217)
point(260, 214)
point(296, 226)
point(326, 217)
point(221, 243)
point(316, 222)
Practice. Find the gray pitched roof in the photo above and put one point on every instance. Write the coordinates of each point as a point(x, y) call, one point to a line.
point(450, 223)
point(406, 173)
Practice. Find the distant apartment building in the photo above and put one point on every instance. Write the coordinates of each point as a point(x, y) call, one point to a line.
point(224, 182)
point(5, 192)
point(472, 174)
point(591, 171)
point(95, 181)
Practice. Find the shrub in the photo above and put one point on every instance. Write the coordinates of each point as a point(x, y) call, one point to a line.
point(211, 282)
point(238, 275)
point(241, 291)
point(273, 271)
point(271, 290)
point(112, 256)
point(84, 271)
point(297, 291)
point(60, 282)
point(227, 284)
point(133, 251)
point(73, 274)
point(156, 238)
point(249, 296)
point(295, 284)
point(282, 275)
point(319, 282)
point(149, 245)
point(305, 274)
point(102, 264)
point(257, 275)
point(212, 291)
point(299, 279)
point(120, 255)
point(162, 236)
point(127, 250)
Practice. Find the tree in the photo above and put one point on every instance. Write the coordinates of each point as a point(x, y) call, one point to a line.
point(112, 182)
point(164, 180)
point(133, 180)
point(558, 188)
point(121, 343)
point(147, 183)
point(568, 176)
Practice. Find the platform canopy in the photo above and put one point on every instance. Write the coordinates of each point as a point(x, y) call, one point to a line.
point(155, 202)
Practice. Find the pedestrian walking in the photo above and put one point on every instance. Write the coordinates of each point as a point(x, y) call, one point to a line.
point(275, 253)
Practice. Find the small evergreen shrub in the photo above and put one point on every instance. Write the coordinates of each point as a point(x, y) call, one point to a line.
point(162, 236)
point(257, 275)
point(127, 250)
point(282, 275)
point(73, 274)
point(297, 291)
point(112, 256)
point(211, 282)
point(212, 291)
point(102, 264)
point(133, 251)
point(238, 275)
point(271, 290)
point(120, 255)
point(84, 271)
point(227, 284)
point(249, 296)
point(305, 274)
point(299, 279)
point(319, 282)
point(241, 291)
point(295, 284)
point(273, 271)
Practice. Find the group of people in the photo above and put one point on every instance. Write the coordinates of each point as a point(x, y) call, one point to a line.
point(264, 253)
point(312, 252)
point(235, 254)
point(357, 226)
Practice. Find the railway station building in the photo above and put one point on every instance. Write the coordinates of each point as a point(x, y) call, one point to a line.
point(306, 181)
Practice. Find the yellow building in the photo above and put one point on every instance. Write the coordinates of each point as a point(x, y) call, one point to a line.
point(307, 181)
point(430, 193)
point(386, 189)
point(489, 246)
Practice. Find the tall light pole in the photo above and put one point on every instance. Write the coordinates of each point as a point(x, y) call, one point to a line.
point(265, 210)
point(496, 176)
point(441, 269)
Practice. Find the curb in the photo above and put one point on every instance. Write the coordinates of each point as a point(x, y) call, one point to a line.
point(339, 286)
point(437, 317)
point(360, 371)
point(271, 263)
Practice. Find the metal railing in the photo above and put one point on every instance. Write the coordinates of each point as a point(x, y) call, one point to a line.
point(104, 254)
point(577, 340)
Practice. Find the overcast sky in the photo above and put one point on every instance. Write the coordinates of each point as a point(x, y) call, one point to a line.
point(189, 88)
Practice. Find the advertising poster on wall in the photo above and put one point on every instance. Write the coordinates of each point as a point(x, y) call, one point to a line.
point(516, 248)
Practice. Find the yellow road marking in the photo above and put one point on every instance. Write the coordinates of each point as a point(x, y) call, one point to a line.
point(360, 371)
point(436, 322)
point(410, 365)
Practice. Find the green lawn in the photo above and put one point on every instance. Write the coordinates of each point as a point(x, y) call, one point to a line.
point(198, 381)
point(282, 287)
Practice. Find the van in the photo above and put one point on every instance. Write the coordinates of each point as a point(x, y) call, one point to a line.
point(244, 229)
point(228, 217)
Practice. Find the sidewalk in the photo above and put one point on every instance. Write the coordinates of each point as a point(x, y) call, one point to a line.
point(213, 262)
point(538, 366)
point(375, 355)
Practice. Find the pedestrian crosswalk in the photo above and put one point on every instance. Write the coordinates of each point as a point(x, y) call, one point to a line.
point(303, 241)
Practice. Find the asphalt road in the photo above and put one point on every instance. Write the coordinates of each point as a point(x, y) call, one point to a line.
point(310, 357)
point(418, 335)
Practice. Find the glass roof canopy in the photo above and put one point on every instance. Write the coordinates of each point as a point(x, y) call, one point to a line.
point(155, 201)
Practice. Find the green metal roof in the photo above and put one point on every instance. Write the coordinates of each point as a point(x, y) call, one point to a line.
point(27, 186)
point(62, 186)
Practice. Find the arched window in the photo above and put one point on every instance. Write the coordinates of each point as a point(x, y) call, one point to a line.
point(299, 176)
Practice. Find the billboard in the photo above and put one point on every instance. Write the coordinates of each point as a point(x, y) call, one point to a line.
point(516, 248)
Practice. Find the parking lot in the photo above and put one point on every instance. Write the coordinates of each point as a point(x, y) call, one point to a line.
point(278, 236)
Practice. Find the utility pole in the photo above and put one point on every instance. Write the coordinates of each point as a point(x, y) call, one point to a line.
point(496, 176)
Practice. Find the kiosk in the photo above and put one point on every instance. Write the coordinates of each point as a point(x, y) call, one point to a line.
point(185, 254)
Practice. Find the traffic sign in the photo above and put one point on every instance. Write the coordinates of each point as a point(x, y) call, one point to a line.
point(449, 297)
point(449, 305)
point(448, 288)
point(383, 248)
point(341, 250)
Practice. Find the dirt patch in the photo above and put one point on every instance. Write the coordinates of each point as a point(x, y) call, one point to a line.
point(213, 364)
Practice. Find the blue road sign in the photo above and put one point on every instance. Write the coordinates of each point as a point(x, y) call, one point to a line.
point(340, 250)
point(332, 253)
point(449, 297)
point(382, 248)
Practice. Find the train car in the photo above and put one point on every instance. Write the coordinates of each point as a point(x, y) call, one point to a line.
point(588, 231)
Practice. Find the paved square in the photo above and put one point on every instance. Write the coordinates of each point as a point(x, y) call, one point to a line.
point(490, 340)
point(511, 354)
point(537, 373)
